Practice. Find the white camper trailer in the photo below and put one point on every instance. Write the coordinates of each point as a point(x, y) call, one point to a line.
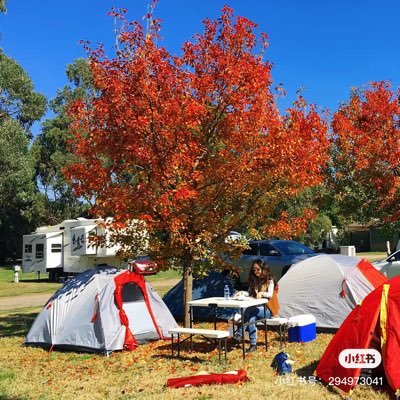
point(66, 249)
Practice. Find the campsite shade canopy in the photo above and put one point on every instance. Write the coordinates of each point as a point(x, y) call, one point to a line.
point(374, 324)
point(328, 287)
point(102, 310)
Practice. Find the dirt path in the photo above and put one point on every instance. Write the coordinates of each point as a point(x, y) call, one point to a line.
point(164, 283)
point(29, 300)
point(40, 299)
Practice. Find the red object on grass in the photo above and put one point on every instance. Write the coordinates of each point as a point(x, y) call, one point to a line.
point(209, 379)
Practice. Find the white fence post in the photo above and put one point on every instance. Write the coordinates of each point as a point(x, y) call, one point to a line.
point(17, 268)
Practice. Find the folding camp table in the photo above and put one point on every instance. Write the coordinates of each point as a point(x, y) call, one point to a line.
point(241, 305)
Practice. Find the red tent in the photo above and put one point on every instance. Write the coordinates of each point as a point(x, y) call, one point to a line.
point(374, 324)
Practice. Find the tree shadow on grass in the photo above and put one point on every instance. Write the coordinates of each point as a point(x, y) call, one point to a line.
point(5, 397)
point(307, 370)
point(198, 345)
point(203, 351)
point(16, 324)
point(182, 357)
point(35, 281)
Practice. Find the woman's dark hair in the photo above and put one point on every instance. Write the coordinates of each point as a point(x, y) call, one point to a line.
point(265, 278)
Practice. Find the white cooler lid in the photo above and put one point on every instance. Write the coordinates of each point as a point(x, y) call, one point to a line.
point(301, 320)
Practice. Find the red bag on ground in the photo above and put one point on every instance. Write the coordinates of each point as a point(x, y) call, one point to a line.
point(208, 379)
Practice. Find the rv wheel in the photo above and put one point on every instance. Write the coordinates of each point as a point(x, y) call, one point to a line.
point(54, 276)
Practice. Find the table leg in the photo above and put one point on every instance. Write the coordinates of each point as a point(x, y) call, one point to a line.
point(242, 327)
point(172, 344)
point(179, 344)
point(215, 325)
point(191, 326)
point(284, 334)
point(219, 351)
point(226, 348)
point(215, 317)
point(265, 327)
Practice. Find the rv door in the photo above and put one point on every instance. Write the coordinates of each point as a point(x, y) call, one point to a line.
point(33, 253)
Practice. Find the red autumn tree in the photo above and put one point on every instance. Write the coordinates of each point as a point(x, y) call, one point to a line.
point(365, 169)
point(193, 145)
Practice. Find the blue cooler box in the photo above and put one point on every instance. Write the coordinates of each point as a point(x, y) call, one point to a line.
point(302, 328)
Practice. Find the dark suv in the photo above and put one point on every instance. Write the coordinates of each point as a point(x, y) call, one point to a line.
point(280, 255)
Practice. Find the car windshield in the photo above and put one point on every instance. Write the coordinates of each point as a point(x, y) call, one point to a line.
point(395, 255)
point(292, 248)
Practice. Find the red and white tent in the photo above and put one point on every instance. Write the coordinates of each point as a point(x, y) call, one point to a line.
point(374, 324)
point(102, 310)
point(328, 287)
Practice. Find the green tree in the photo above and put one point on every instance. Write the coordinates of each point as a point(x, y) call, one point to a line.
point(3, 6)
point(18, 100)
point(51, 150)
point(317, 231)
point(20, 201)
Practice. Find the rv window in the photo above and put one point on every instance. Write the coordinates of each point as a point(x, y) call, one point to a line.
point(56, 248)
point(39, 250)
point(28, 248)
point(131, 293)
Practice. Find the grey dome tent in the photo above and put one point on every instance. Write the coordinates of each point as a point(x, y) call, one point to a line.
point(102, 310)
point(211, 285)
point(328, 287)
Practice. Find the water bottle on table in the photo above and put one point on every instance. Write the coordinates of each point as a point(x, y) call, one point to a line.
point(226, 292)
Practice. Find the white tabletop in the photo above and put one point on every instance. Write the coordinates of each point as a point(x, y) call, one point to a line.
point(231, 303)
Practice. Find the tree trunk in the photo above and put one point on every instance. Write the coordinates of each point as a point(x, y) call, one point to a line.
point(187, 289)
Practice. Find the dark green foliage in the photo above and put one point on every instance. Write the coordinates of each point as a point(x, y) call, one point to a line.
point(18, 100)
point(20, 201)
point(317, 231)
point(50, 148)
point(3, 6)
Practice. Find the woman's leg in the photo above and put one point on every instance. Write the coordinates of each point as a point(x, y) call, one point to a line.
point(254, 315)
point(251, 316)
point(249, 313)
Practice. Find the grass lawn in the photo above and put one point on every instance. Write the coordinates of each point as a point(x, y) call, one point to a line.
point(163, 275)
point(29, 284)
point(372, 255)
point(33, 373)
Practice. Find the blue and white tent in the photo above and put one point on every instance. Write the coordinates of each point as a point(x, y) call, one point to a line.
point(203, 287)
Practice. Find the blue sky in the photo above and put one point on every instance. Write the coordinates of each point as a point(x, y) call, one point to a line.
point(324, 47)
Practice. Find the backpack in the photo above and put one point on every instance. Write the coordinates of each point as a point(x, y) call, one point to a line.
point(282, 363)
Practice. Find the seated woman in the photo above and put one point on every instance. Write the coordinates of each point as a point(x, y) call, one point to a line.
point(261, 285)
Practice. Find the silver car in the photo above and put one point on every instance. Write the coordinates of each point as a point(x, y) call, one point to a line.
point(390, 266)
point(280, 255)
